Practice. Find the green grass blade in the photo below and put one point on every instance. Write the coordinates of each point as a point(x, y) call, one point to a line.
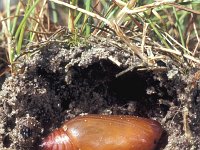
point(87, 27)
point(78, 17)
point(8, 15)
point(20, 31)
point(15, 19)
point(25, 18)
point(54, 13)
point(179, 27)
point(158, 33)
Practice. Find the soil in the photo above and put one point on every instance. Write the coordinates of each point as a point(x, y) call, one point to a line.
point(61, 81)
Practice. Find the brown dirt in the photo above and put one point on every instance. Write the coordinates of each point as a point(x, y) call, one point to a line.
point(60, 82)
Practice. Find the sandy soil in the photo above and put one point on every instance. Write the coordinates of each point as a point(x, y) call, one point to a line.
point(60, 82)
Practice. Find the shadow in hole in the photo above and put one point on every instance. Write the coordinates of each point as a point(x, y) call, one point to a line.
point(130, 86)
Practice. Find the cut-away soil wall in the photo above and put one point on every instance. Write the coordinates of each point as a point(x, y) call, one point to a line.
point(60, 82)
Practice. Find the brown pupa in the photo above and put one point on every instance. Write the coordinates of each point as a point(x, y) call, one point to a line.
point(102, 132)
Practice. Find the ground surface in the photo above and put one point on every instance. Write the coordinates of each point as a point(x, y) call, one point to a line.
point(60, 82)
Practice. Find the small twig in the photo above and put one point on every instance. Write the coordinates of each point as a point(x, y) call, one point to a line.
point(115, 61)
point(129, 69)
point(178, 53)
point(8, 37)
point(133, 47)
point(197, 36)
point(186, 126)
point(82, 10)
point(141, 68)
point(38, 20)
point(144, 36)
point(156, 4)
point(185, 49)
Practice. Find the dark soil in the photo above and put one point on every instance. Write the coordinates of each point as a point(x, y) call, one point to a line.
point(60, 82)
